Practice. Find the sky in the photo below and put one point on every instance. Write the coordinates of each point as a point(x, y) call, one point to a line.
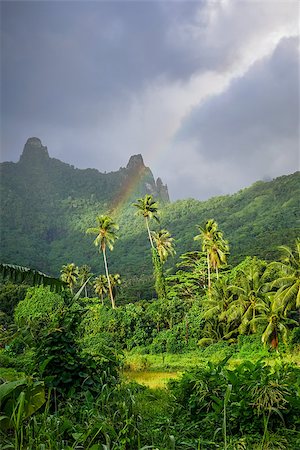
point(207, 91)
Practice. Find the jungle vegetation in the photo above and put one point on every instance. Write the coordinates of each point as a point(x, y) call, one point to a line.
point(54, 205)
point(235, 329)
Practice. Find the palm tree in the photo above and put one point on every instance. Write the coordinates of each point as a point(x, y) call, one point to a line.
point(115, 281)
point(288, 294)
point(106, 236)
point(84, 275)
point(215, 247)
point(251, 298)
point(275, 324)
point(164, 244)
point(148, 208)
point(101, 286)
point(69, 274)
point(164, 248)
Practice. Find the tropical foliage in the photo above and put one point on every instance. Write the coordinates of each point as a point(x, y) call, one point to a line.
point(63, 357)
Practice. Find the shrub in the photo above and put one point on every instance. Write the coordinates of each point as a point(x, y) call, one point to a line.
point(40, 308)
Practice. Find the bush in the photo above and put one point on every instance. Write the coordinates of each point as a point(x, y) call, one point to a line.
point(40, 308)
point(171, 341)
point(260, 397)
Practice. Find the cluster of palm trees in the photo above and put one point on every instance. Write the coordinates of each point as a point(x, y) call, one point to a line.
point(259, 297)
point(75, 276)
point(161, 244)
point(256, 298)
point(80, 278)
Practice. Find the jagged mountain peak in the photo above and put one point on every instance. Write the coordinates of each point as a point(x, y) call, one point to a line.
point(135, 162)
point(34, 150)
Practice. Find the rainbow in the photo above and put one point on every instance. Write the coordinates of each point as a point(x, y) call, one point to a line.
point(126, 191)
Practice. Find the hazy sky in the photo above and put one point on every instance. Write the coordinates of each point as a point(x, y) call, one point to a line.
point(207, 91)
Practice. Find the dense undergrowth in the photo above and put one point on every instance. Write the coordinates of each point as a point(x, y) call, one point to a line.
point(231, 335)
point(62, 385)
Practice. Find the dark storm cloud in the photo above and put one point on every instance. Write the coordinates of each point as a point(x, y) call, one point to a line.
point(66, 61)
point(73, 64)
point(98, 81)
point(252, 129)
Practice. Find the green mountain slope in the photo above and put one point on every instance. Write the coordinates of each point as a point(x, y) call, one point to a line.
point(47, 205)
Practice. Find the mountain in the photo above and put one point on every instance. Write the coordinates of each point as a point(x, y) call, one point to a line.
point(47, 205)
point(45, 201)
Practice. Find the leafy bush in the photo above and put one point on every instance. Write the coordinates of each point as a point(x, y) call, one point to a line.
point(40, 308)
point(10, 295)
point(171, 341)
point(261, 398)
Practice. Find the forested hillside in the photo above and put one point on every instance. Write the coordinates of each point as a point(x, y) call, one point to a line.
point(47, 206)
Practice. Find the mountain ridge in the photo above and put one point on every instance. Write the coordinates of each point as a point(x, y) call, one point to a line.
point(47, 205)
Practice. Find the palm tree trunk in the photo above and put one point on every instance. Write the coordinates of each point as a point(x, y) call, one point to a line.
point(149, 233)
point(108, 280)
point(208, 272)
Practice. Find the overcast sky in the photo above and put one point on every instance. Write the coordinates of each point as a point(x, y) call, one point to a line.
point(207, 91)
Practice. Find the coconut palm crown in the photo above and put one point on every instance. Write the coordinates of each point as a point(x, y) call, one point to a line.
point(214, 245)
point(148, 208)
point(105, 231)
point(164, 244)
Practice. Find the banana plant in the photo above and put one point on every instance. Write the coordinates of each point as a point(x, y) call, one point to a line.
point(19, 399)
point(20, 274)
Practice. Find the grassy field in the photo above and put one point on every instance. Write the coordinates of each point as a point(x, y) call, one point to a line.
point(135, 361)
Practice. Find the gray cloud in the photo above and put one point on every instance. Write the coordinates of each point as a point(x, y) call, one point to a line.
point(252, 129)
point(99, 81)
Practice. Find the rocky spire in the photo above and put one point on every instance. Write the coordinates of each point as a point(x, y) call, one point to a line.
point(162, 190)
point(34, 150)
point(135, 162)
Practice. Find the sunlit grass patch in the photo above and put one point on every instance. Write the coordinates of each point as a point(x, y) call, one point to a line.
point(151, 379)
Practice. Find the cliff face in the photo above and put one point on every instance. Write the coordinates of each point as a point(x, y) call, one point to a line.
point(145, 181)
point(37, 168)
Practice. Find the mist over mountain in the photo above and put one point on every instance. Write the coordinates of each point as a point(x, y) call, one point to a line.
point(47, 205)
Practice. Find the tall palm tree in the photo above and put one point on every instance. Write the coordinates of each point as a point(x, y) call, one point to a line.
point(101, 286)
point(148, 208)
point(106, 236)
point(69, 274)
point(164, 248)
point(215, 247)
point(288, 282)
point(164, 244)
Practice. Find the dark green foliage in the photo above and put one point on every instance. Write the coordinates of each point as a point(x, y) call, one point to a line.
point(19, 274)
point(19, 400)
point(10, 295)
point(52, 325)
point(39, 309)
point(261, 398)
point(61, 364)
